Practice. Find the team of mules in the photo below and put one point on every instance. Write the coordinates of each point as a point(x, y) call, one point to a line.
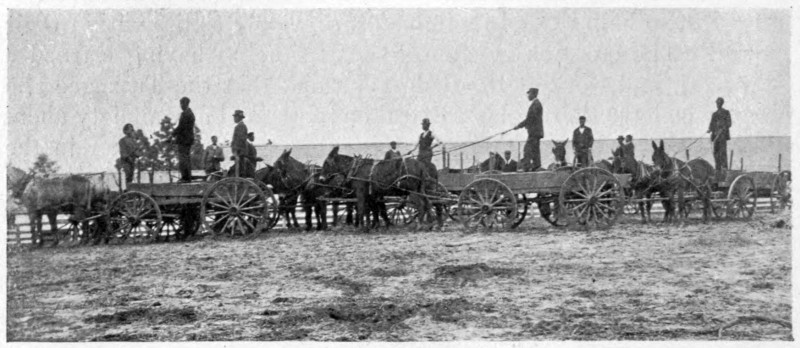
point(74, 195)
point(368, 181)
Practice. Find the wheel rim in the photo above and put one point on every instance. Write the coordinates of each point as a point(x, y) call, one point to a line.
point(235, 206)
point(780, 192)
point(742, 198)
point(134, 217)
point(401, 213)
point(522, 210)
point(590, 197)
point(486, 202)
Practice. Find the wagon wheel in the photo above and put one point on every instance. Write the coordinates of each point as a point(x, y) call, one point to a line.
point(273, 211)
point(487, 202)
point(401, 213)
point(182, 223)
point(780, 194)
point(522, 210)
point(234, 206)
point(590, 197)
point(446, 200)
point(631, 206)
point(548, 209)
point(134, 217)
point(742, 198)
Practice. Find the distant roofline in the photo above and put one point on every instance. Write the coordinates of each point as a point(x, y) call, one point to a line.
point(502, 141)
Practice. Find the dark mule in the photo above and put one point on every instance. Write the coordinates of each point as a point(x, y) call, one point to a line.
point(76, 195)
point(560, 153)
point(299, 178)
point(644, 182)
point(681, 177)
point(288, 198)
point(494, 162)
point(372, 180)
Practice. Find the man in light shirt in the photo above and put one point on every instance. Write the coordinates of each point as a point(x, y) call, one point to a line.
point(582, 141)
point(213, 156)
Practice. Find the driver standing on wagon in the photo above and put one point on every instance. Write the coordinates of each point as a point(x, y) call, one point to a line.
point(239, 142)
point(427, 141)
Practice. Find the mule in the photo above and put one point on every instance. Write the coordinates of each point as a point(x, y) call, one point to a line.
point(644, 182)
point(560, 152)
point(76, 195)
point(299, 178)
point(372, 180)
point(681, 177)
point(494, 162)
point(288, 198)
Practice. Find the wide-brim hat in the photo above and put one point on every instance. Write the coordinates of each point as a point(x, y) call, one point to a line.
point(238, 113)
point(426, 120)
point(533, 90)
point(620, 137)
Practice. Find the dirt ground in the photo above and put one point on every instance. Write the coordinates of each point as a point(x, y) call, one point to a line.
point(633, 282)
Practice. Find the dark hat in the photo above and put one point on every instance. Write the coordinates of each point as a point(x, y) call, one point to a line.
point(185, 100)
point(251, 134)
point(426, 120)
point(507, 152)
point(238, 113)
point(533, 89)
point(620, 137)
point(392, 143)
point(582, 118)
point(720, 100)
point(629, 136)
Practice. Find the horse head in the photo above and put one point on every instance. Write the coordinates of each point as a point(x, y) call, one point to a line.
point(661, 160)
point(335, 164)
point(16, 181)
point(291, 171)
point(560, 151)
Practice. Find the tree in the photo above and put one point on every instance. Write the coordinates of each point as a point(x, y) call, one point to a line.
point(44, 166)
point(198, 150)
point(165, 151)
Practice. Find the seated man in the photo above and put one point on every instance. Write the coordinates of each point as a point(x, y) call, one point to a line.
point(510, 165)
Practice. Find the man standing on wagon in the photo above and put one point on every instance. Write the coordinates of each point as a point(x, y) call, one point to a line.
point(213, 156)
point(720, 134)
point(582, 142)
point(183, 136)
point(239, 142)
point(531, 159)
point(128, 153)
point(427, 141)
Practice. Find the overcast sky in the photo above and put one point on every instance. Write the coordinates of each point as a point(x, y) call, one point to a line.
point(370, 75)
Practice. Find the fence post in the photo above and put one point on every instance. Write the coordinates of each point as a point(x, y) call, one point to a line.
point(779, 162)
point(741, 163)
point(473, 160)
point(461, 156)
point(687, 155)
point(444, 157)
point(731, 160)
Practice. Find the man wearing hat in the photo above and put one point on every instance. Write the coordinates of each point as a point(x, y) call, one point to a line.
point(239, 142)
point(618, 152)
point(129, 151)
point(427, 141)
point(392, 153)
point(510, 165)
point(213, 156)
point(628, 150)
point(531, 159)
point(720, 134)
point(183, 136)
point(582, 141)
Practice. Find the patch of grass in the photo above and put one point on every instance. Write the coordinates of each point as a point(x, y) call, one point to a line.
point(158, 316)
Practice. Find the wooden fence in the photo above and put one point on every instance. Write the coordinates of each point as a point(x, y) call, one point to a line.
point(19, 233)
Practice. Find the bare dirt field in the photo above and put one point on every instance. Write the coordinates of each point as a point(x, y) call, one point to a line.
point(633, 282)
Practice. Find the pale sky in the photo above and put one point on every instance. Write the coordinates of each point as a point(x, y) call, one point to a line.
point(75, 77)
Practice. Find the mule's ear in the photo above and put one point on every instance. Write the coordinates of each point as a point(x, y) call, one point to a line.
point(655, 147)
point(289, 152)
point(566, 141)
point(661, 144)
point(335, 150)
point(555, 143)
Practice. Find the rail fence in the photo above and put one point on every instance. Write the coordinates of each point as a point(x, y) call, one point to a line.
point(20, 231)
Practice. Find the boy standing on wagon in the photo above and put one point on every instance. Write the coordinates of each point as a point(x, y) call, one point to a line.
point(128, 153)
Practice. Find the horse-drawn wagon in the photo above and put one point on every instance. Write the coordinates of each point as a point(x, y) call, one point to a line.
point(591, 197)
point(229, 206)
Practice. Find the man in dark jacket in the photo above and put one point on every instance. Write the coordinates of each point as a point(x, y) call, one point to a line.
point(511, 165)
point(239, 142)
point(582, 141)
point(392, 153)
point(720, 134)
point(129, 151)
point(531, 159)
point(183, 136)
